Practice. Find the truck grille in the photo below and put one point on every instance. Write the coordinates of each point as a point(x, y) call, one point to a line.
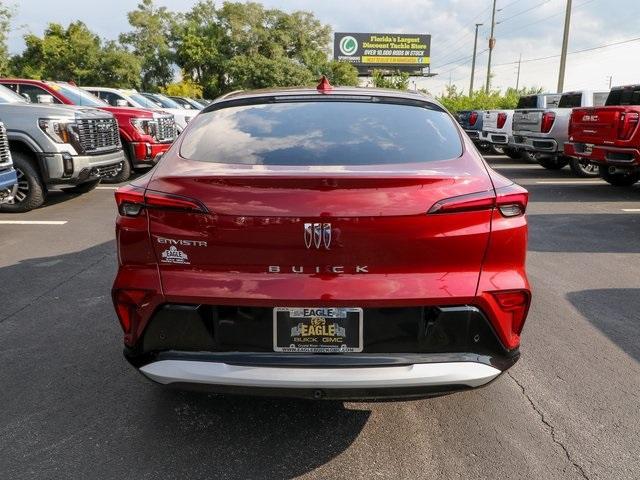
point(167, 129)
point(5, 156)
point(98, 135)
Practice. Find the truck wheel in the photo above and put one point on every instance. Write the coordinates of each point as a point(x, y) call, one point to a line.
point(30, 193)
point(552, 163)
point(513, 153)
point(619, 179)
point(529, 156)
point(583, 168)
point(497, 150)
point(83, 187)
point(124, 173)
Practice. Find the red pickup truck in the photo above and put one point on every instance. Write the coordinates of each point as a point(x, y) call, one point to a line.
point(143, 133)
point(609, 136)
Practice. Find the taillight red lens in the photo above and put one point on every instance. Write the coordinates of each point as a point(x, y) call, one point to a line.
point(502, 119)
point(627, 124)
point(514, 306)
point(473, 118)
point(127, 303)
point(511, 201)
point(465, 203)
point(547, 121)
point(133, 200)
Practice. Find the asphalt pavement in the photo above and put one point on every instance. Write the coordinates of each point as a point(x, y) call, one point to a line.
point(72, 408)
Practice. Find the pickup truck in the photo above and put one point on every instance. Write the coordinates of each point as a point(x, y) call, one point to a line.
point(57, 145)
point(471, 123)
point(544, 131)
point(609, 136)
point(143, 133)
point(498, 124)
point(8, 176)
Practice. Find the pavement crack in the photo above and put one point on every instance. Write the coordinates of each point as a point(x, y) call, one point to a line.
point(56, 286)
point(550, 428)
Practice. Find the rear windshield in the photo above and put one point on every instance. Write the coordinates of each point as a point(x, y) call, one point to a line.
point(570, 100)
point(624, 96)
point(528, 102)
point(322, 133)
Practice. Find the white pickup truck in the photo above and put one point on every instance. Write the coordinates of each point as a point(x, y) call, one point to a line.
point(544, 131)
point(497, 124)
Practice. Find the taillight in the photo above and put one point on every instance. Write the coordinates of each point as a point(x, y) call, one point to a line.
point(511, 201)
point(547, 121)
point(502, 119)
point(627, 124)
point(514, 306)
point(133, 200)
point(473, 118)
point(128, 302)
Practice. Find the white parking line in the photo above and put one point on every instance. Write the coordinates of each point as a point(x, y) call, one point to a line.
point(634, 210)
point(497, 166)
point(107, 188)
point(571, 182)
point(32, 222)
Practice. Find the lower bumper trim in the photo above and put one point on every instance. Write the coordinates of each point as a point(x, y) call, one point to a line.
point(468, 374)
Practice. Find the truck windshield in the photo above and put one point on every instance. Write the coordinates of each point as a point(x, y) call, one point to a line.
point(570, 100)
point(9, 96)
point(164, 101)
point(624, 96)
point(530, 101)
point(143, 101)
point(319, 133)
point(78, 96)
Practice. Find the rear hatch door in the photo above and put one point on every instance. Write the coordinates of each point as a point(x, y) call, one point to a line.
point(596, 125)
point(527, 120)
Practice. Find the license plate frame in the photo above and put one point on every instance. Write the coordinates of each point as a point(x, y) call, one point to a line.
point(588, 148)
point(304, 329)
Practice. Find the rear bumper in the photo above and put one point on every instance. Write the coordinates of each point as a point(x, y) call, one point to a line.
point(495, 138)
point(395, 381)
point(602, 154)
point(536, 144)
point(473, 134)
point(407, 353)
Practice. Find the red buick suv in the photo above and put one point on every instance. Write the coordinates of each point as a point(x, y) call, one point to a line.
point(322, 243)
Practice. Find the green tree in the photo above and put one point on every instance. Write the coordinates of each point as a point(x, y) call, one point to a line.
point(149, 41)
point(454, 100)
point(184, 88)
point(75, 53)
point(398, 81)
point(6, 13)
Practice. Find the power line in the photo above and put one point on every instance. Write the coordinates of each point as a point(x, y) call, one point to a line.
point(459, 61)
point(572, 53)
point(522, 12)
point(527, 25)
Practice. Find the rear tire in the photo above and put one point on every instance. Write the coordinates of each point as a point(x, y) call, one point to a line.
point(583, 168)
point(553, 163)
point(529, 156)
point(619, 179)
point(513, 153)
point(83, 187)
point(30, 193)
point(124, 173)
point(497, 150)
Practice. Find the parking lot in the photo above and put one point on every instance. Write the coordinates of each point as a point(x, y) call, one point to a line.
point(73, 408)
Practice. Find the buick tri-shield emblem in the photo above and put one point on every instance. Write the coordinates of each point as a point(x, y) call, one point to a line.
point(317, 235)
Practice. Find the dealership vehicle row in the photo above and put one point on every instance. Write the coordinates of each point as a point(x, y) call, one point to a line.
point(61, 136)
point(595, 133)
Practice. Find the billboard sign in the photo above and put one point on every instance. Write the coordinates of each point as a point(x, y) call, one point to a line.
point(393, 51)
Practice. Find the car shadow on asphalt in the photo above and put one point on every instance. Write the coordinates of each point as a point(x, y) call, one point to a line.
point(580, 192)
point(240, 437)
point(614, 311)
point(574, 233)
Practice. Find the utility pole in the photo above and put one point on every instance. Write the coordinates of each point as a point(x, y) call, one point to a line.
point(473, 62)
point(610, 81)
point(565, 45)
point(492, 43)
point(518, 77)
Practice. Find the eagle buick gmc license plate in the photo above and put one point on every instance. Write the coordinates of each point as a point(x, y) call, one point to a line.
point(317, 330)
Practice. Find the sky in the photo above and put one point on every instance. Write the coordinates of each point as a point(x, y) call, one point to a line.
point(528, 28)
